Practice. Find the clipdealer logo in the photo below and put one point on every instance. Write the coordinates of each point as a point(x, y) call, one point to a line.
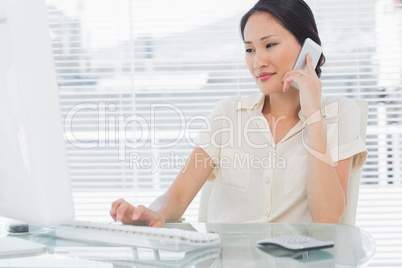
point(125, 132)
point(236, 161)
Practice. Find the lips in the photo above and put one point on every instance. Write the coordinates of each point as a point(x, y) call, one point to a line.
point(265, 76)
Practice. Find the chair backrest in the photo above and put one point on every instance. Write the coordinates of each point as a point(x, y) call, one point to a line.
point(349, 216)
point(204, 199)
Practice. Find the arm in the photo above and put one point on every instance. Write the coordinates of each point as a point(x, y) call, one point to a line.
point(327, 181)
point(170, 206)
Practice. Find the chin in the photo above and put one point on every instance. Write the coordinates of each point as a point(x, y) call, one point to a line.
point(266, 90)
point(267, 87)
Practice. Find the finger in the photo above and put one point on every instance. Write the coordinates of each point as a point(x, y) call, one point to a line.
point(285, 86)
point(138, 212)
point(117, 203)
point(286, 83)
point(122, 210)
point(310, 67)
point(294, 77)
point(292, 72)
point(114, 207)
point(286, 76)
point(113, 215)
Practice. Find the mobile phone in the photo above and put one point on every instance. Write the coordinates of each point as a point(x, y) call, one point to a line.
point(309, 46)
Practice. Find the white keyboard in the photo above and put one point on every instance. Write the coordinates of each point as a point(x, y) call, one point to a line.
point(136, 236)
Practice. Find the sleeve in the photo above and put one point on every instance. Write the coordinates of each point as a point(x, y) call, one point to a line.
point(345, 140)
point(209, 138)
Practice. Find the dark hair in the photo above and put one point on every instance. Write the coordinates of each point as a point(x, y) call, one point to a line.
point(294, 15)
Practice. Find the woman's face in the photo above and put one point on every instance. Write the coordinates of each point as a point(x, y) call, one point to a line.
point(271, 51)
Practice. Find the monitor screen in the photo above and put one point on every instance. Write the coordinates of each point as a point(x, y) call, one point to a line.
point(34, 182)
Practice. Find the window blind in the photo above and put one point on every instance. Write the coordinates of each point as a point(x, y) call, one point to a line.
point(140, 72)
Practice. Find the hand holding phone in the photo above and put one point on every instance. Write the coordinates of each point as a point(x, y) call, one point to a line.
point(315, 50)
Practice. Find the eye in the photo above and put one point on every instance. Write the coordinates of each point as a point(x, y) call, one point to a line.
point(269, 45)
point(249, 50)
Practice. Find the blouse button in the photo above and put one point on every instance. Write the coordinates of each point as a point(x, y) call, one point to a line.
point(267, 180)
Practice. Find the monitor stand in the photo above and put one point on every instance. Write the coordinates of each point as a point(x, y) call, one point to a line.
point(17, 227)
point(12, 246)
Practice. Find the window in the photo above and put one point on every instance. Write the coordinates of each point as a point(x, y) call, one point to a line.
point(129, 69)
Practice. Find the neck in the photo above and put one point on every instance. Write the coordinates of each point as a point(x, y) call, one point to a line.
point(282, 104)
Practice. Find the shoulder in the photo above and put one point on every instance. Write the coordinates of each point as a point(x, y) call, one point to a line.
point(229, 103)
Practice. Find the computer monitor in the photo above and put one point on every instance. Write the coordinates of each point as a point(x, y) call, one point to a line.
point(34, 182)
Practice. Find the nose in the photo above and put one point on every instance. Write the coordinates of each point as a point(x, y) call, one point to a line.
point(260, 60)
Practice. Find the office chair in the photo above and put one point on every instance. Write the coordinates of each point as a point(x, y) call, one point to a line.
point(349, 216)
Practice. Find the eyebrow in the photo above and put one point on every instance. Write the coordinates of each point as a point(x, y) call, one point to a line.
point(261, 39)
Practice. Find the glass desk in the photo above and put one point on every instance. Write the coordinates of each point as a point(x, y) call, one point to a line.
point(353, 248)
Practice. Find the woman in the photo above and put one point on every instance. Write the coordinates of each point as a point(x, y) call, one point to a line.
point(295, 151)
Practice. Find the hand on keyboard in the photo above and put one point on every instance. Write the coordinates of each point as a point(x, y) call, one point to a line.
point(140, 215)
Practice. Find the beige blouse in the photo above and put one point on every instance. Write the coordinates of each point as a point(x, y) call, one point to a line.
point(256, 180)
